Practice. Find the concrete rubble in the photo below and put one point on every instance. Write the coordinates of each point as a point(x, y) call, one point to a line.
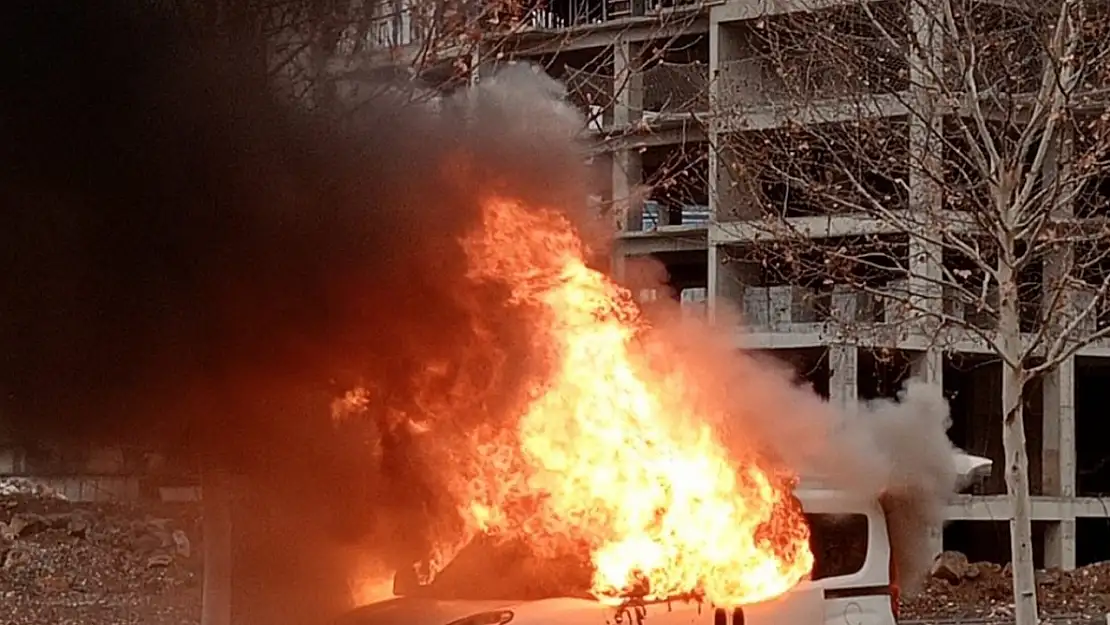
point(959, 589)
point(95, 564)
point(67, 563)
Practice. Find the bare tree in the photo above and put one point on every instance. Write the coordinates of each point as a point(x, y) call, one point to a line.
point(319, 53)
point(338, 54)
point(946, 156)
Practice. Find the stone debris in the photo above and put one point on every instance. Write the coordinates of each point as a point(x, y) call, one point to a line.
point(182, 545)
point(959, 589)
point(20, 487)
point(96, 564)
point(64, 563)
point(953, 567)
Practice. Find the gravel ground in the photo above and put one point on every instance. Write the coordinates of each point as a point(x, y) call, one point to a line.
point(63, 563)
point(959, 590)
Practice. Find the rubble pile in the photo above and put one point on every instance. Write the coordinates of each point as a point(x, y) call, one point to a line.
point(957, 588)
point(18, 487)
point(63, 562)
point(66, 563)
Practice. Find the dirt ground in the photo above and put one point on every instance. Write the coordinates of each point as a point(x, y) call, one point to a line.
point(64, 563)
point(958, 589)
point(72, 564)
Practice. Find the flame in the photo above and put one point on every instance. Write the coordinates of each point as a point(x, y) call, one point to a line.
point(372, 590)
point(372, 583)
point(617, 452)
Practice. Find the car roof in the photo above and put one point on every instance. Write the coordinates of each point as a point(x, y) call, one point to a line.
point(969, 468)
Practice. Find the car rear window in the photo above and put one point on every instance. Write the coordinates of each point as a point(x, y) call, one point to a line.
point(838, 542)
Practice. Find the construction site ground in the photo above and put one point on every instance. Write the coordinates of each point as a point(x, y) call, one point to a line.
point(92, 564)
point(98, 564)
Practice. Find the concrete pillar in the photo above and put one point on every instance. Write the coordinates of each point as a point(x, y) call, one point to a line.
point(843, 374)
point(925, 287)
point(716, 175)
point(727, 278)
point(925, 254)
point(628, 175)
point(627, 104)
point(628, 83)
point(1059, 306)
point(619, 268)
point(1058, 445)
point(925, 262)
point(288, 567)
point(714, 139)
point(1060, 545)
point(935, 540)
point(217, 593)
point(714, 254)
point(1058, 459)
point(723, 195)
point(928, 366)
point(476, 72)
point(843, 358)
point(9, 463)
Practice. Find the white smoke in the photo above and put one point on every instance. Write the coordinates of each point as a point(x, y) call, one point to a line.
point(894, 450)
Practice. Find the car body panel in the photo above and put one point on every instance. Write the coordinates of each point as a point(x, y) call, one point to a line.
point(862, 598)
point(420, 611)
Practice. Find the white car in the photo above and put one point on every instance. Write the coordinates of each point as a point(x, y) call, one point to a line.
point(854, 582)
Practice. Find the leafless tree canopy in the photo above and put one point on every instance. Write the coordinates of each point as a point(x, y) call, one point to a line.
point(978, 128)
point(932, 171)
point(335, 56)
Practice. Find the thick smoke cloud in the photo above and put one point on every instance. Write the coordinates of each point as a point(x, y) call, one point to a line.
point(176, 236)
point(192, 264)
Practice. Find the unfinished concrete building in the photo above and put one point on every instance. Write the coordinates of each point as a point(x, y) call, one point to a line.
point(654, 79)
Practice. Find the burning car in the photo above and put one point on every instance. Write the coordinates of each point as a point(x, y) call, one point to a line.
point(854, 580)
point(618, 495)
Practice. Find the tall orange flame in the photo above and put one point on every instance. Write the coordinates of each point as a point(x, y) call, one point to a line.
point(611, 451)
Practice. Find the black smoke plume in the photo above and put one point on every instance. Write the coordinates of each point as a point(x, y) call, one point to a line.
point(192, 263)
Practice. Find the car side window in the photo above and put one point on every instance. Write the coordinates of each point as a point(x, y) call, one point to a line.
point(839, 544)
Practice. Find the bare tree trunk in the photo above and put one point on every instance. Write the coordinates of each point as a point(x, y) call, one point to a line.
point(1017, 485)
point(1013, 443)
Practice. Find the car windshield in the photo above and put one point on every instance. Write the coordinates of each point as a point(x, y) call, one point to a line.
point(490, 570)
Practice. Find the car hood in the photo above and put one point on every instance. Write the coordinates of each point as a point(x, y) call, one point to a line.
point(422, 611)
